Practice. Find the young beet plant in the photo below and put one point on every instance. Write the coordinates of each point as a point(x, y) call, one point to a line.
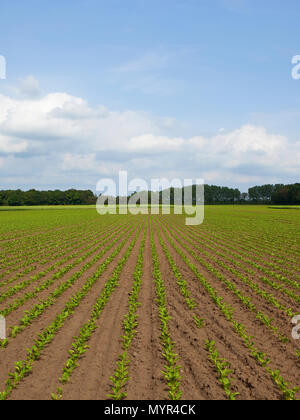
point(200, 322)
point(171, 370)
point(232, 287)
point(130, 324)
point(91, 247)
point(228, 312)
point(39, 309)
point(183, 285)
point(79, 347)
point(47, 335)
point(288, 393)
point(222, 367)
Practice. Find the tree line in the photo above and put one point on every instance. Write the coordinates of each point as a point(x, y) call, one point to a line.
point(50, 198)
point(264, 194)
point(213, 194)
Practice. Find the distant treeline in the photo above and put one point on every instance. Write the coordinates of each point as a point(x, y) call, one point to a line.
point(287, 194)
point(264, 194)
point(50, 198)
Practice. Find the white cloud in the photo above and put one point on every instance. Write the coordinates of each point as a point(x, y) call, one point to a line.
point(12, 145)
point(155, 144)
point(75, 162)
point(58, 135)
point(248, 139)
point(64, 117)
point(78, 109)
point(247, 143)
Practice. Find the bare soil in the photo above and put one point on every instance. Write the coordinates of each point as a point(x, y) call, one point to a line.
point(199, 377)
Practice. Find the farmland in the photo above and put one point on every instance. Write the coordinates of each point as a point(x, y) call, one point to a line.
point(145, 307)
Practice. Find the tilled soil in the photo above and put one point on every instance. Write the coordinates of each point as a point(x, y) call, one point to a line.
point(199, 378)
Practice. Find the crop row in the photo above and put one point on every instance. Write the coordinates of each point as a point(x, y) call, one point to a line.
point(35, 248)
point(222, 366)
point(25, 283)
point(251, 238)
point(267, 234)
point(27, 260)
point(238, 273)
point(247, 302)
point(242, 265)
point(32, 224)
point(63, 252)
point(261, 358)
point(28, 245)
point(171, 370)
point(183, 285)
point(120, 376)
point(229, 244)
point(79, 346)
point(38, 309)
point(272, 274)
point(24, 367)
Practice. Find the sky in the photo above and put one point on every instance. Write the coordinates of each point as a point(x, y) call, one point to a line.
point(182, 89)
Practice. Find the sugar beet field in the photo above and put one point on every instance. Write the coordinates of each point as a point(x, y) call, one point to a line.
point(147, 308)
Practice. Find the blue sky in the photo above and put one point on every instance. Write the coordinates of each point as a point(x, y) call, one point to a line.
point(192, 79)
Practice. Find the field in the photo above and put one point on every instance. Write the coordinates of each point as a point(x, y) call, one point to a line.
point(145, 307)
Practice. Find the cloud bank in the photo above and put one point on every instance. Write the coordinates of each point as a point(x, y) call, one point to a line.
point(58, 140)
